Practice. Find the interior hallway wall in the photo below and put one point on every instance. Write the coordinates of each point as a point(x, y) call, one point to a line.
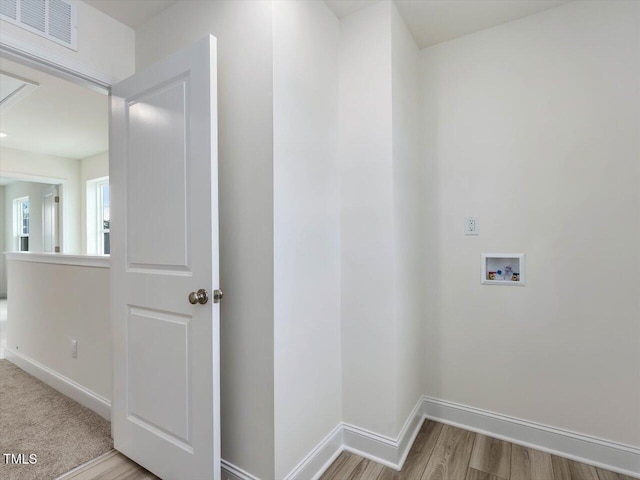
point(533, 127)
point(245, 118)
point(72, 304)
point(306, 228)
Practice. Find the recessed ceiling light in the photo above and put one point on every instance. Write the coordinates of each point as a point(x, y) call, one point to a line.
point(2, 134)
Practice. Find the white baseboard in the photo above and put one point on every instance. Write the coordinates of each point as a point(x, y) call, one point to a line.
point(64, 385)
point(231, 472)
point(310, 468)
point(601, 453)
point(370, 445)
point(320, 458)
point(388, 451)
point(392, 452)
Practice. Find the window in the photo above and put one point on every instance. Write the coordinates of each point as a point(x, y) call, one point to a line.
point(104, 218)
point(21, 223)
point(98, 216)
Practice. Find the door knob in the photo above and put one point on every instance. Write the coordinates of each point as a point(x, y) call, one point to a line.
point(200, 297)
point(217, 295)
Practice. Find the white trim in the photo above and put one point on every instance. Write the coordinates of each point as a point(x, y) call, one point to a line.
point(328, 463)
point(91, 214)
point(613, 456)
point(594, 451)
point(97, 261)
point(320, 458)
point(310, 468)
point(18, 223)
point(231, 472)
point(64, 385)
point(392, 452)
point(388, 451)
point(99, 217)
point(409, 432)
point(27, 52)
point(27, 177)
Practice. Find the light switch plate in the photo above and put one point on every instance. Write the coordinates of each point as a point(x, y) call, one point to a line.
point(471, 226)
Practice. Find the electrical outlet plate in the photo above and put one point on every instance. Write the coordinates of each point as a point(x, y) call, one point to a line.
point(471, 226)
point(74, 349)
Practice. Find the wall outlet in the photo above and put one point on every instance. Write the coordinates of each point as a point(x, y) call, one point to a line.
point(471, 226)
point(74, 349)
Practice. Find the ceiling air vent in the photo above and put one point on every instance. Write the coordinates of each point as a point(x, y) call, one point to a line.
point(9, 8)
point(52, 19)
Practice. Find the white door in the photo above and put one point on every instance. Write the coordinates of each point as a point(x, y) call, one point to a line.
point(50, 202)
point(164, 245)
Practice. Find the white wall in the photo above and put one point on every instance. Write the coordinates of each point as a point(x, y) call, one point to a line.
point(533, 127)
point(245, 71)
point(3, 272)
point(306, 229)
point(366, 169)
point(96, 166)
point(24, 165)
point(91, 168)
point(72, 302)
point(381, 228)
point(104, 44)
point(408, 227)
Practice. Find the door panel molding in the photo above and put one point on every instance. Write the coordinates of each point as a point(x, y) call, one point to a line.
point(164, 245)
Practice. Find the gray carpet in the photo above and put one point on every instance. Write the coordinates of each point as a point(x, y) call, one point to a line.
point(35, 418)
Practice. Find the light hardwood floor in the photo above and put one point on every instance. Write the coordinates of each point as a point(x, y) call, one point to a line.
point(442, 452)
point(110, 466)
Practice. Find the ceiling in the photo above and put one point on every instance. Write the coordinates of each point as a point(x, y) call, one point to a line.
point(436, 21)
point(57, 118)
point(342, 8)
point(13, 89)
point(429, 21)
point(131, 12)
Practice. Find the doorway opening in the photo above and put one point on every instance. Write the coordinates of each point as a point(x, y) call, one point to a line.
point(55, 348)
